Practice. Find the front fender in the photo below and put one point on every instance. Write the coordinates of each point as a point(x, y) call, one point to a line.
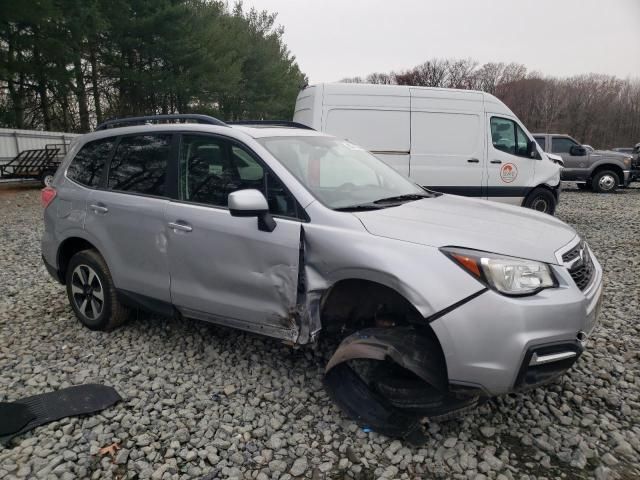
point(424, 276)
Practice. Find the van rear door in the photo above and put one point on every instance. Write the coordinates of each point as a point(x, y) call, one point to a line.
point(447, 146)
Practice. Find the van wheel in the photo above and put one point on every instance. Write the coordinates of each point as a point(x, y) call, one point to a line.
point(605, 181)
point(91, 292)
point(541, 200)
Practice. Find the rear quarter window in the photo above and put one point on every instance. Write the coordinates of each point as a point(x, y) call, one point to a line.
point(87, 166)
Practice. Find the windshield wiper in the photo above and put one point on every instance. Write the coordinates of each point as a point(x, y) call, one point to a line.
point(362, 207)
point(407, 197)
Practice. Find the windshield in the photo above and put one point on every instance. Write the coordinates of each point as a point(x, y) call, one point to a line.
point(341, 175)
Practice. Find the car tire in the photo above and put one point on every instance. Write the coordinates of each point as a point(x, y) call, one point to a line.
point(46, 177)
point(541, 200)
point(407, 392)
point(605, 181)
point(91, 292)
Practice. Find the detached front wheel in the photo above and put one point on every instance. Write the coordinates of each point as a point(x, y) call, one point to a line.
point(541, 200)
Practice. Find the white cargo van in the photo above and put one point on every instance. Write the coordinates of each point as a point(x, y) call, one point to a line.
point(462, 142)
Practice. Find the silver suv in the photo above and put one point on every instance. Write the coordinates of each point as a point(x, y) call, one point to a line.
point(436, 300)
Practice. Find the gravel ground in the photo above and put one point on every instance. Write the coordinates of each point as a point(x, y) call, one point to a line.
point(207, 402)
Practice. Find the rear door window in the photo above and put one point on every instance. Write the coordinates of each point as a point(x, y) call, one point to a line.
point(88, 165)
point(139, 164)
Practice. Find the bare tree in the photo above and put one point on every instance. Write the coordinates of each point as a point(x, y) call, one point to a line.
point(601, 110)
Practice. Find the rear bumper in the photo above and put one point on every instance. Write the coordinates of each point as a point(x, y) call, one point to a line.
point(53, 271)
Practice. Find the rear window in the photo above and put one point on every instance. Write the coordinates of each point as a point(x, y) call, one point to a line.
point(87, 166)
point(140, 164)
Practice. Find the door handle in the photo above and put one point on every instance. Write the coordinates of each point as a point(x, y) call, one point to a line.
point(473, 160)
point(496, 161)
point(180, 226)
point(99, 208)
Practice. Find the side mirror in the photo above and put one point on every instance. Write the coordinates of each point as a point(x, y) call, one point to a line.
point(532, 150)
point(577, 151)
point(251, 203)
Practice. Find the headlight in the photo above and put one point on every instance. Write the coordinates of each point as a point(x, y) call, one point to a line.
point(627, 162)
point(507, 275)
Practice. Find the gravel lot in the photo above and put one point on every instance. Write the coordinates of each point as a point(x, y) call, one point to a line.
point(206, 402)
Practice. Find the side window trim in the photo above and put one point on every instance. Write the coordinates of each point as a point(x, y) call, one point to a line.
point(302, 215)
point(102, 185)
point(107, 170)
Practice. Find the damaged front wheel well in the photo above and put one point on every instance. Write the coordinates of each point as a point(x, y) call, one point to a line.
point(355, 304)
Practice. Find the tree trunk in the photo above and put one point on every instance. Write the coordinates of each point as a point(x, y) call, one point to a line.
point(94, 80)
point(41, 89)
point(81, 93)
point(15, 94)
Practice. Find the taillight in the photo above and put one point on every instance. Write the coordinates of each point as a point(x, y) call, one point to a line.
point(47, 195)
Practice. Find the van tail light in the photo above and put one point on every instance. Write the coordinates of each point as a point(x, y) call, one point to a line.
point(47, 195)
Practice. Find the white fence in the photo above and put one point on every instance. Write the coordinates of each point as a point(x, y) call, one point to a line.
point(14, 141)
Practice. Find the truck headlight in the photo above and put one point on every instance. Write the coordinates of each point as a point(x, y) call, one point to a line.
point(507, 275)
point(627, 162)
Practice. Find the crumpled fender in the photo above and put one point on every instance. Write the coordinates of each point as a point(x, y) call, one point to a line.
point(403, 345)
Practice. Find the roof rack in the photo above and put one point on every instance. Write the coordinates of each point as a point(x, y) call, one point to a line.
point(129, 121)
point(273, 123)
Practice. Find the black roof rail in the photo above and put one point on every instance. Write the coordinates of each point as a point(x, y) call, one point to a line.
point(129, 121)
point(272, 123)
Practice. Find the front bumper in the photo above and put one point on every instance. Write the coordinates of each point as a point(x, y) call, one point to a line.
point(627, 177)
point(489, 341)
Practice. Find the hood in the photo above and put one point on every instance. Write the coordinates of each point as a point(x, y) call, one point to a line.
point(610, 154)
point(450, 220)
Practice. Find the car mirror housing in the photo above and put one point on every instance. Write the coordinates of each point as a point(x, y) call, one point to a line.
point(251, 203)
point(578, 151)
point(532, 149)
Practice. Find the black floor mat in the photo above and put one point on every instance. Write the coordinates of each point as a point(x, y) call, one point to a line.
point(48, 407)
point(14, 416)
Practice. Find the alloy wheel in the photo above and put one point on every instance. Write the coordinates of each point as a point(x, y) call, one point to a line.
point(87, 291)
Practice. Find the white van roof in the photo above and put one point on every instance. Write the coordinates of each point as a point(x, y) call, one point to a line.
point(403, 96)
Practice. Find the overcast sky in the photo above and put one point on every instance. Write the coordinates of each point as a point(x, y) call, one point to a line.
point(333, 39)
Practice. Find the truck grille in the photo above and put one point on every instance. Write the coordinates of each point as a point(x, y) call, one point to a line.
point(579, 264)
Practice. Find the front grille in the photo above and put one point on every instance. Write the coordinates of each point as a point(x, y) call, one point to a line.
point(573, 253)
point(581, 270)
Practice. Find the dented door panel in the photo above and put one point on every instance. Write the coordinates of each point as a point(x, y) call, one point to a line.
point(227, 269)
